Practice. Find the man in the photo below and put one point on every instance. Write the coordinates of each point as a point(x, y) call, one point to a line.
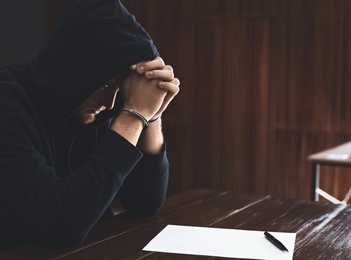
point(81, 126)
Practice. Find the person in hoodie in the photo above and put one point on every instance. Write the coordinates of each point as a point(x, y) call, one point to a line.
point(81, 126)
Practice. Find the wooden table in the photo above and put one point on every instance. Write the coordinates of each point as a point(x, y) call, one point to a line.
point(323, 229)
point(336, 156)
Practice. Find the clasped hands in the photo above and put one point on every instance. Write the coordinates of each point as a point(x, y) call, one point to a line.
point(149, 88)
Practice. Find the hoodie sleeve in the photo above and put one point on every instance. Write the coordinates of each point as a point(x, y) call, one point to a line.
point(59, 209)
point(145, 188)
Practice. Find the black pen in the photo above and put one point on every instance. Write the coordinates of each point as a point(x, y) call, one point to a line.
point(275, 241)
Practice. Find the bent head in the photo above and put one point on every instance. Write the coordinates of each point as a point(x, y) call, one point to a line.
point(102, 99)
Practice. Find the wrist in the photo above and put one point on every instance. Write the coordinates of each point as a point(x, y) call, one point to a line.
point(151, 140)
point(137, 115)
point(154, 119)
point(128, 126)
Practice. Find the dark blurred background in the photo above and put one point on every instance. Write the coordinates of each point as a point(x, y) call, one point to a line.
point(21, 29)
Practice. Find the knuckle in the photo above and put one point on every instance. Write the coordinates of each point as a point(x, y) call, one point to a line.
point(176, 81)
point(161, 61)
point(169, 67)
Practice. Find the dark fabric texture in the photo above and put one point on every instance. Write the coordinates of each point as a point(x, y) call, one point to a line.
point(57, 179)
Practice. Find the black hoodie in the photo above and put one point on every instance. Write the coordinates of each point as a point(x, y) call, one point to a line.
point(41, 193)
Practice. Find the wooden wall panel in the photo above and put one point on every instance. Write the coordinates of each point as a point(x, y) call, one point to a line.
point(265, 83)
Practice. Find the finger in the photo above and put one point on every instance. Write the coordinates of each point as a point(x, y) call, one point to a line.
point(167, 100)
point(173, 89)
point(163, 75)
point(168, 67)
point(144, 66)
point(154, 64)
point(171, 86)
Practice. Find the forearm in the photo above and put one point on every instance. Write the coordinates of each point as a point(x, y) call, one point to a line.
point(54, 207)
point(151, 140)
point(144, 190)
point(128, 126)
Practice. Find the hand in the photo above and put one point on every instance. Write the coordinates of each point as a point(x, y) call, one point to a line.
point(171, 87)
point(142, 94)
point(156, 69)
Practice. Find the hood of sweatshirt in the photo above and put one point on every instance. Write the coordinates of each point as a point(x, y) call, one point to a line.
point(95, 40)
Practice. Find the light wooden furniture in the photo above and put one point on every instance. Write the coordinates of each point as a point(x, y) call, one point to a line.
point(322, 229)
point(336, 156)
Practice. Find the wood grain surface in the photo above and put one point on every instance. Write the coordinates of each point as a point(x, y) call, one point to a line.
point(322, 229)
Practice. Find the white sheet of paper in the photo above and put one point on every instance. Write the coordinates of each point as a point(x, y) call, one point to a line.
point(221, 242)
